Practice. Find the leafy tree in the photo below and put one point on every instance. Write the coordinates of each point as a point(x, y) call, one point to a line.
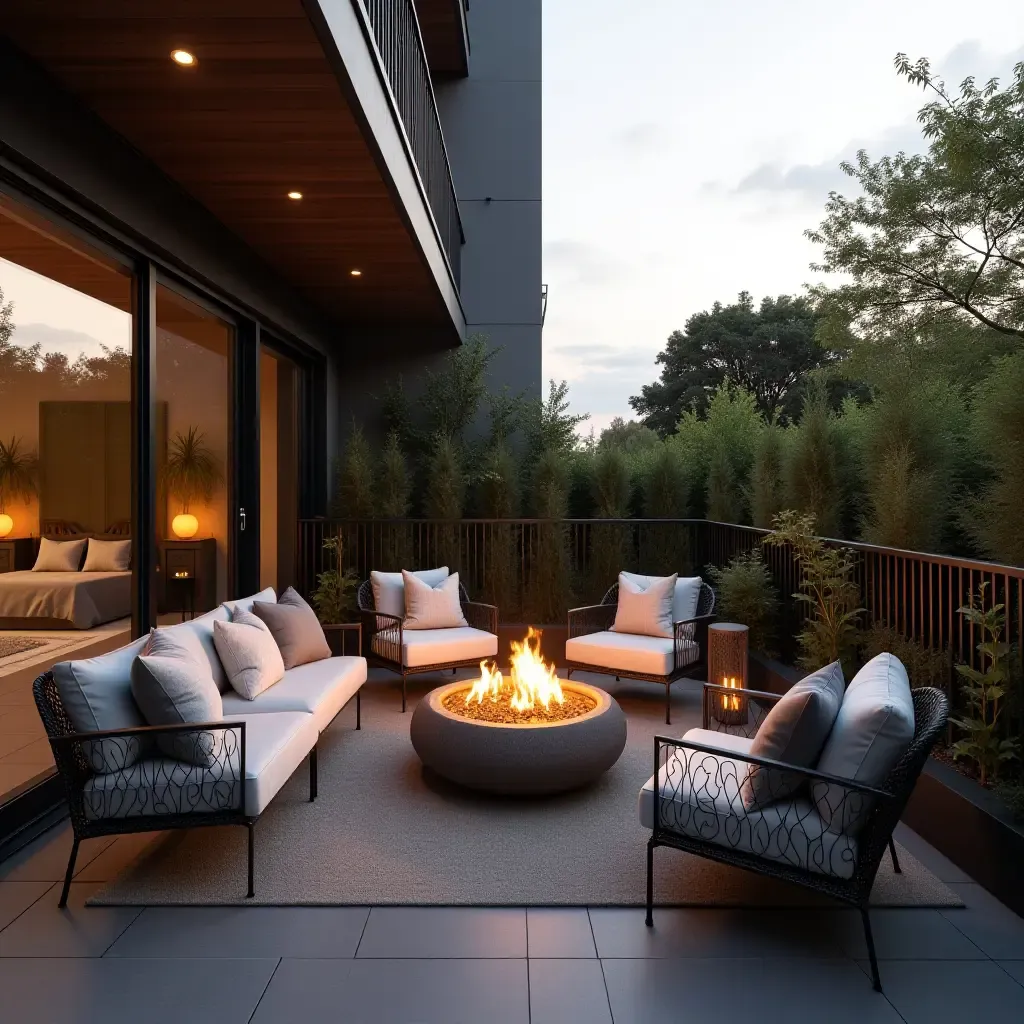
point(393, 481)
point(354, 475)
point(499, 485)
point(767, 477)
point(629, 437)
point(665, 494)
point(548, 424)
point(725, 504)
point(767, 351)
point(446, 483)
point(6, 321)
point(936, 237)
point(611, 484)
point(813, 472)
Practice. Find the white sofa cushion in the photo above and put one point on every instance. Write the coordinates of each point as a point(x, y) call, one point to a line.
point(423, 647)
point(685, 598)
point(268, 596)
point(628, 652)
point(873, 729)
point(645, 605)
point(202, 626)
point(389, 588)
point(432, 606)
point(275, 745)
point(97, 695)
point(249, 653)
point(320, 688)
point(700, 797)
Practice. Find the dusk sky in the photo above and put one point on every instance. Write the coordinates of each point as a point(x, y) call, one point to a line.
point(687, 147)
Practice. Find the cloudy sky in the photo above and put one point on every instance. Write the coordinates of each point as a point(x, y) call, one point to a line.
point(687, 146)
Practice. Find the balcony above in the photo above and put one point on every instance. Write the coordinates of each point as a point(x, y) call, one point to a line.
point(445, 36)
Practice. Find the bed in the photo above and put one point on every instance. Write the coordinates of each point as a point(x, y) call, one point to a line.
point(65, 600)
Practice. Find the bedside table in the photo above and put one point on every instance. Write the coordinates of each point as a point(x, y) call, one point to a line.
point(17, 553)
point(188, 570)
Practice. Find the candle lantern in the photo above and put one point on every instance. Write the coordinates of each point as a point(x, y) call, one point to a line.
point(727, 666)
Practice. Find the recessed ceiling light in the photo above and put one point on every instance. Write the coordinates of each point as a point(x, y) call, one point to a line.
point(184, 58)
point(295, 195)
point(356, 273)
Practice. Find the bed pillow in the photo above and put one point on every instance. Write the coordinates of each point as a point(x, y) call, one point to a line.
point(249, 654)
point(97, 695)
point(684, 602)
point(296, 629)
point(108, 555)
point(432, 607)
point(389, 589)
point(59, 555)
point(645, 608)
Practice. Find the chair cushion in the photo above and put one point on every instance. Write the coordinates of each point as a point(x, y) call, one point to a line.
point(389, 589)
point(685, 597)
point(432, 606)
point(422, 648)
point(794, 731)
point(320, 688)
point(645, 606)
point(249, 653)
point(97, 695)
point(873, 730)
point(59, 555)
point(628, 652)
point(275, 745)
point(295, 627)
point(700, 797)
point(268, 596)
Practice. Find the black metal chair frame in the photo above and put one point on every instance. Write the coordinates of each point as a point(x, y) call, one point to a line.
point(74, 770)
point(931, 709)
point(598, 618)
point(383, 628)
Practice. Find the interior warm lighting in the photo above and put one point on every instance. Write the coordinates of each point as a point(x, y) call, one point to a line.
point(356, 273)
point(184, 58)
point(6, 524)
point(185, 525)
point(295, 195)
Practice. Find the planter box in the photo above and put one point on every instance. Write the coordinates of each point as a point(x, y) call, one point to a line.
point(970, 826)
point(770, 676)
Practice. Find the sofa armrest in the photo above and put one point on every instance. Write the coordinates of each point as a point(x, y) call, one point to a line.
point(591, 618)
point(756, 704)
point(347, 627)
point(481, 616)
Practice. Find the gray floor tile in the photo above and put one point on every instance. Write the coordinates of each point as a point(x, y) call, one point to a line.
point(987, 923)
point(17, 897)
point(243, 932)
point(129, 991)
point(907, 934)
point(940, 866)
point(559, 932)
point(44, 930)
point(656, 991)
point(933, 991)
point(444, 932)
point(568, 992)
point(46, 859)
point(832, 991)
point(1015, 969)
point(397, 992)
point(707, 933)
point(113, 859)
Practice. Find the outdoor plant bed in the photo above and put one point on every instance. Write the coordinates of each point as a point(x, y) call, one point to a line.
point(771, 676)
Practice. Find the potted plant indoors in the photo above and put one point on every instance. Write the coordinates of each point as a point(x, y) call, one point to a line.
point(17, 479)
point(193, 473)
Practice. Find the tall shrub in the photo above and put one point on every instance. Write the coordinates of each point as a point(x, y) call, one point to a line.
point(767, 483)
point(549, 585)
point(813, 467)
point(724, 502)
point(393, 500)
point(664, 548)
point(609, 542)
point(499, 499)
point(445, 493)
point(746, 593)
point(354, 479)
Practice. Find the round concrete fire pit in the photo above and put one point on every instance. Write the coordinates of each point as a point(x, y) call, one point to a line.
point(520, 758)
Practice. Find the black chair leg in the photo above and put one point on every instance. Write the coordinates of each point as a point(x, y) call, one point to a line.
point(251, 825)
point(403, 693)
point(869, 939)
point(649, 920)
point(895, 860)
point(668, 704)
point(312, 775)
point(359, 709)
point(69, 875)
point(454, 670)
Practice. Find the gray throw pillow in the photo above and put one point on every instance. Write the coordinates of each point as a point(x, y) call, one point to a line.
point(173, 685)
point(794, 731)
point(295, 628)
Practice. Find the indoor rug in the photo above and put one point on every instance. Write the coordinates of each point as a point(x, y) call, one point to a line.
point(11, 645)
point(383, 831)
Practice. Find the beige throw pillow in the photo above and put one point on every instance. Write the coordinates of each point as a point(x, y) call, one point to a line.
point(389, 590)
point(296, 629)
point(59, 555)
point(428, 607)
point(108, 555)
point(645, 605)
point(249, 654)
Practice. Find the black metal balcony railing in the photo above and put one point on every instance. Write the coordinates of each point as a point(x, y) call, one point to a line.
point(396, 32)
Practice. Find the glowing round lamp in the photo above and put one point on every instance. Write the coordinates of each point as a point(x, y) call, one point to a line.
point(6, 524)
point(185, 525)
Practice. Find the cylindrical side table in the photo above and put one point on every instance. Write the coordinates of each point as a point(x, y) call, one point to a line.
point(727, 666)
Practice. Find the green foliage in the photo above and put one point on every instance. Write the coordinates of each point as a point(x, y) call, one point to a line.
point(452, 395)
point(192, 471)
point(354, 485)
point(939, 236)
point(1012, 795)
point(827, 588)
point(549, 585)
point(995, 517)
point(446, 483)
point(630, 438)
point(334, 598)
point(6, 322)
point(985, 689)
point(393, 489)
point(813, 467)
point(611, 484)
point(745, 593)
point(924, 666)
point(725, 504)
point(664, 485)
point(766, 351)
point(766, 494)
point(18, 468)
point(499, 485)
point(548, 424)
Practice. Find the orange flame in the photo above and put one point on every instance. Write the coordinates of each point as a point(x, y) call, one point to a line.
point(730, 703)
point(531, 682)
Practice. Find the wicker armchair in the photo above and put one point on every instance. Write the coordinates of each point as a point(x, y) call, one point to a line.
point(689, 643)
point(385, 640)
point(701, 809)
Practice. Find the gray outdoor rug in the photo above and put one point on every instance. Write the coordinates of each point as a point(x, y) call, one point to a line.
point(381, 832)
